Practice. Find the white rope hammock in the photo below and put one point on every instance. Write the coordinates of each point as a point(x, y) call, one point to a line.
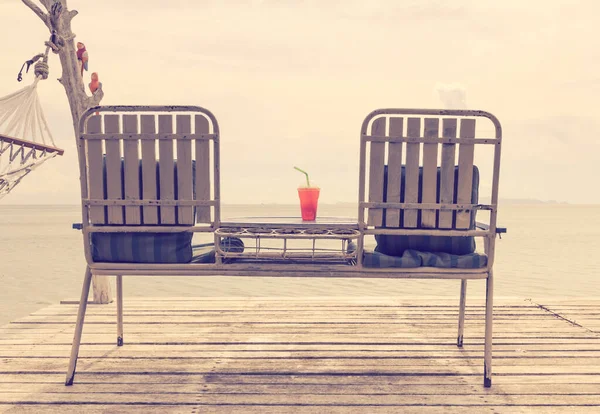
point(25, 139)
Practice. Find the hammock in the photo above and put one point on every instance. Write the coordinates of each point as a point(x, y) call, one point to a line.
point(25, 139)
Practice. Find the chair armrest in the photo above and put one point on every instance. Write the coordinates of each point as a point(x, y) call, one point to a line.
point(483, 226)
point(77, 226)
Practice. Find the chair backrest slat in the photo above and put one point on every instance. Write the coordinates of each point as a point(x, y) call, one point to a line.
point(149, 182)
point(429, 180)
point(185, 215)
point(203, 175)
point(114, 184)
point(411, 181)
point(95, 169)
point(166, 169)
point(447, 172)
point(376, 168)
point(131, 169)
point(465, 173)
point(394, 172)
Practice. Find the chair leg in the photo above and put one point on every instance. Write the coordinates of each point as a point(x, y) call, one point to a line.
point(461, 312)
point(119, 310)
point(489, 318)
point(85, 290)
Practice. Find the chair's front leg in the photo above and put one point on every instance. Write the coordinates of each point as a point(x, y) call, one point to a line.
point(489, 319)
point(461, 312)
point(85, 290)
point(119, 310)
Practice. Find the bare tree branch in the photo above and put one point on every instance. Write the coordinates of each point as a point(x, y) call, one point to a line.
point(72, 13)
point(47, 3)
point(38, 11)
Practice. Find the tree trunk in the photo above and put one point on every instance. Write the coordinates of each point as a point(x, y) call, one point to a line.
point(57, 19)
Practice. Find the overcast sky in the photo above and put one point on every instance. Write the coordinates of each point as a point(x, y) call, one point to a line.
point(290, 82)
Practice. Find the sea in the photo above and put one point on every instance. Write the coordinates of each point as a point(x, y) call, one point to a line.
point(550, 251)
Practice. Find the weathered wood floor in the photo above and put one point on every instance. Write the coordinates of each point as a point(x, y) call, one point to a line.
point(305, 355)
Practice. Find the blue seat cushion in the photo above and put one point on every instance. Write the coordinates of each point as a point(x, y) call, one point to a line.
point(414, 258)
point(156, 248)
point(396, 245)
point(142, 247)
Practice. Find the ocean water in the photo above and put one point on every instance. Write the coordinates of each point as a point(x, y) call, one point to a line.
point(551, 250)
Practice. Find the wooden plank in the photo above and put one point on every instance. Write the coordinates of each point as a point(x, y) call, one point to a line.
point(249, 379)
point(265, 319)
point(192, 306)
point(188, 352)
point(166, 169)
point(270, 408)
point(394, 175)
point(127, 408)
point(431, 365)
point(465, 173)
point(267, 322)
point(146, 331)
point(95, 171)
point(339, 326)
point(447, 172)
point(149, 162)
point(323, 400)
point(411, 183)
point(375, 387)
point(132, 169)
point(355, 336)
point(376, 168)
point(429, 186)
point(114, 183)
point(203, 175)
point(185, 215)
point(422, 349)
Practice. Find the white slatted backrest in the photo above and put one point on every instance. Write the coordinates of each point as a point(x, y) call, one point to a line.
point(429, 174)
point(121, 162)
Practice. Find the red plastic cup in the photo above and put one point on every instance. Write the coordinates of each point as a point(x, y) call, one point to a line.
point(309, 199)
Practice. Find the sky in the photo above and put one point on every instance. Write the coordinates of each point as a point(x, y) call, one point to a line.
point(290, 82)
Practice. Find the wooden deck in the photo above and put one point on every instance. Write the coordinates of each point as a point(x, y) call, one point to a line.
point(305, 355)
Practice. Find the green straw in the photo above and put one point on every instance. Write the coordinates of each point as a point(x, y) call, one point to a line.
point(305, 173)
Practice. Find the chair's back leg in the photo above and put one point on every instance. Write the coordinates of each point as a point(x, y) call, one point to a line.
point(85, 290)
point(119, 310)
point(461, 312)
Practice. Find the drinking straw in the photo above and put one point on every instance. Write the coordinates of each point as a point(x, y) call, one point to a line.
point(305, 173)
